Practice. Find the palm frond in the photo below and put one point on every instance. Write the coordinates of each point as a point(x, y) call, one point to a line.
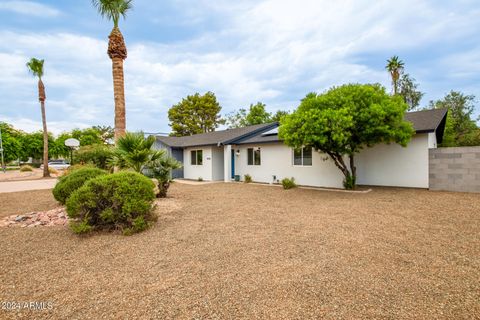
point(35, 66)
point(113, 9)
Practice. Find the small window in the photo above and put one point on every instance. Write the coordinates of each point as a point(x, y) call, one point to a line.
point(196, 157)
point(254, 157)
point(302, 156)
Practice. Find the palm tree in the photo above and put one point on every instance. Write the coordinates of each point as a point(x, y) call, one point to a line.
point(136, 152)
point(117, 51)
point(35, 66)
point(395, 67)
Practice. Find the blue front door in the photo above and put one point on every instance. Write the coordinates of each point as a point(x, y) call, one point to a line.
point(233, 164)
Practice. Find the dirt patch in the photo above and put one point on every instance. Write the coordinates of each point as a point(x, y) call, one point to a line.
point(26, 201)
point(17, 175)
point(250, 251)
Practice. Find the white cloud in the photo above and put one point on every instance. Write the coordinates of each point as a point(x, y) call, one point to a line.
point(274, 51)
point(29, 8)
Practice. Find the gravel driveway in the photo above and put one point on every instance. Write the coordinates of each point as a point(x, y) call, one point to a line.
point(230, 251)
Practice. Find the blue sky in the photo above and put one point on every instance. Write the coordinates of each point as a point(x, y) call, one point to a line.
point(274, 51)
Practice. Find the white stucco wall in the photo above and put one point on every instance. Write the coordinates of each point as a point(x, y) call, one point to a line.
point(393, 165)
point(432, 140)
point(382, 165)
point(217, 163)
point(277, 159)
point(195, 171)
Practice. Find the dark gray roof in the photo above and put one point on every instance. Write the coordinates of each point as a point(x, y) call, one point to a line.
point(215, 137)
point(426, 120)
point(423, 121)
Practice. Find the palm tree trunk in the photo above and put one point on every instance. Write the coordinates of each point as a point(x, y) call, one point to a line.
point(46, 173)
point(119, 96)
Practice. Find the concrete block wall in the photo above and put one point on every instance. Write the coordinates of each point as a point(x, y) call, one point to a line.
point(455, 169)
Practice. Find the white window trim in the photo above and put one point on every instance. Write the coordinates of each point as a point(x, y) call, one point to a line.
point(300, 165)
point(196, 152)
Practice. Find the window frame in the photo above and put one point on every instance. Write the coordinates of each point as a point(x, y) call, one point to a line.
point(194, 159)
point(254, 151)
point(302, 158)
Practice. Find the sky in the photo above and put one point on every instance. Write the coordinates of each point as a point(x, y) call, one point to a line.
point(273, 51)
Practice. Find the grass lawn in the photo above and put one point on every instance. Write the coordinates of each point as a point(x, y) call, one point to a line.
point(251, 251)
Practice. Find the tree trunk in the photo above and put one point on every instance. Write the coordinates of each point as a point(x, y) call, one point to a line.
point(119, 95)
point(117, 51)
point(350, 174)
point(46, 173)
point(42, 97)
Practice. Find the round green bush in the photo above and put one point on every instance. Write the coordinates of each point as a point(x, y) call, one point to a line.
point(121, 201)
point(69, 183)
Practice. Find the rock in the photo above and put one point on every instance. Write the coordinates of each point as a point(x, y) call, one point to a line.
point(19, 218)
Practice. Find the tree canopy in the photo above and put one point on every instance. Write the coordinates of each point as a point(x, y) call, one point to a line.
point(195, 114)
point(256, 114)
point(113, 9)
point(344, 120)
point(395, 68)
point(22, 145)
point(408, 90)
point(460, 129)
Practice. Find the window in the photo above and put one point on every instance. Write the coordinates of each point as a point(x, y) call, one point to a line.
point(302, 156)
point(196, 157)
point(254, 157)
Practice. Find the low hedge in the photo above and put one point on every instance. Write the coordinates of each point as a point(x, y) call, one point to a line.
point(119, 201)
point(67, 184)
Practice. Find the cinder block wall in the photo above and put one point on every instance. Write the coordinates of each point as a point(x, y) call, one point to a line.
point(455, 169)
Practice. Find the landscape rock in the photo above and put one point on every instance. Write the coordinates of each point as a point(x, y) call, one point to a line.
point(54, 217)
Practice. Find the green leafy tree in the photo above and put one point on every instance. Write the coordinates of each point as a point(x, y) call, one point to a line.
point(99, 155)
point(279, 115)
point(11, 141)
point(409, 91)
point(395, 68)
point(35, 66)
point(106, 133)
point(344, 120)
point(256, 114)
point(117, 51)
point(195, 114)
point(460, 129)
point(87, 137)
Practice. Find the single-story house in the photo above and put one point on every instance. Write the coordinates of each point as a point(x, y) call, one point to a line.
point(259, 152)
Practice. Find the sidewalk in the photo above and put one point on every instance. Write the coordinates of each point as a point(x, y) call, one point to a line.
point(16, 186)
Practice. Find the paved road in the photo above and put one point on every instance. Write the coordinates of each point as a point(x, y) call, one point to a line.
point(15, 186)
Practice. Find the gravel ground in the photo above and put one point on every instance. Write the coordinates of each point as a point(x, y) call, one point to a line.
point(230, 251)
point(26, 201)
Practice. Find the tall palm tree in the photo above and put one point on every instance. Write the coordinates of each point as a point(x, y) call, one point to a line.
point(35, 66)
point(117, 51)
point(395, 67)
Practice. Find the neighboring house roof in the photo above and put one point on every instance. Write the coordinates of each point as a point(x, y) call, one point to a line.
point(422, 121)
point(215, 137)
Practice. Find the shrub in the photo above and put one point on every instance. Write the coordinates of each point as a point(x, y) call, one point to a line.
point(248, 178)
point(121, 200)
point(75, 167)
point(200, 179)
point(68, 184)
point(52, 170)
point(98, 155)
point(288, 183)
point(26, 168)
